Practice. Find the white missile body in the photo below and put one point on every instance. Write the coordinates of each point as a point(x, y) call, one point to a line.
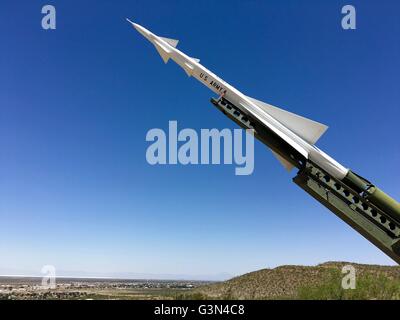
point(299, 132)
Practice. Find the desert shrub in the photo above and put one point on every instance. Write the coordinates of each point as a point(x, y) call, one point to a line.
point(368, 287)
point(190, 296)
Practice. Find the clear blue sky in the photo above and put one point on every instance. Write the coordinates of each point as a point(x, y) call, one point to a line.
point(76, 104)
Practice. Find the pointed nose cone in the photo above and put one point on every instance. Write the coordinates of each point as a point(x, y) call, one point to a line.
point(143, 31)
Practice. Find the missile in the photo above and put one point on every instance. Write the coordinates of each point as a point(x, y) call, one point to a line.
point(298, 132)
point(292, 140)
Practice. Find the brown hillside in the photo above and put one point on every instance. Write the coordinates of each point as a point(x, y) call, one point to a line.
point(285, 281)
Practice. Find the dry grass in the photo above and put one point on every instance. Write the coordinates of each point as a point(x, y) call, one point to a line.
point(300, 282)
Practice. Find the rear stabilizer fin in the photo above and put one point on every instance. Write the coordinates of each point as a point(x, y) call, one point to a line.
point(286, 164)
point(171, 42)
point(307, 129)
point(188, 68)
point(163, 51)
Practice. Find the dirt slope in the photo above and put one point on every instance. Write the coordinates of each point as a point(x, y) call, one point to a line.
point(285, 281)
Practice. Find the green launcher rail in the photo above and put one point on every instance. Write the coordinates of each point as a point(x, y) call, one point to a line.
point(360, 210)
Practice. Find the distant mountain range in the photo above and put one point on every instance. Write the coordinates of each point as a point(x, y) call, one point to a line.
point(119, 275)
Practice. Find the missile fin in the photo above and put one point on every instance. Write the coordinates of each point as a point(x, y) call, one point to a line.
point(308, 129)
point(188, 68)
point(171, 42)
point(286, 164)
point(164, 52)
point(196, 60)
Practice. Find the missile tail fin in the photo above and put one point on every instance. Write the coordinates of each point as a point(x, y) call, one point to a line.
point(188, 68)
point(286, 164)
point(163, 51)
point(171, 42)
point(308, 129)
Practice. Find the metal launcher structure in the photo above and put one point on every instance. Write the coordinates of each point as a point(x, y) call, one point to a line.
point(359, 203)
